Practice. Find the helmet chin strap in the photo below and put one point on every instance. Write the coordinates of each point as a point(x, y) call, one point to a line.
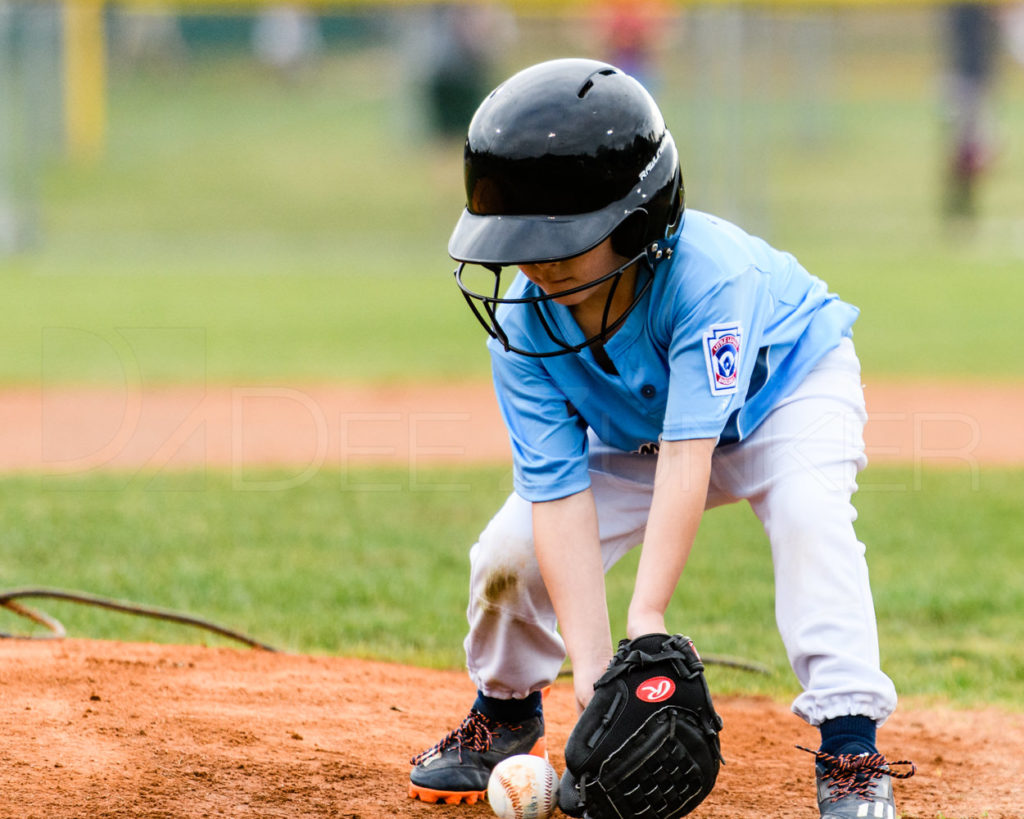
point(485, 306)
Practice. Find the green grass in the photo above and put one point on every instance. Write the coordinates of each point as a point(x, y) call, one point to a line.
point(363, 325)
point(368, 564)
point(302, 227)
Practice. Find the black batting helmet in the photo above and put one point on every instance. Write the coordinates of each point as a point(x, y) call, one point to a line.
point(557, 157)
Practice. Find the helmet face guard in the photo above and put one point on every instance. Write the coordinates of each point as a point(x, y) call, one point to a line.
point(485, 306)
point(558, 158)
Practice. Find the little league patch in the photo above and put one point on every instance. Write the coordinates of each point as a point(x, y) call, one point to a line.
point(722, 355)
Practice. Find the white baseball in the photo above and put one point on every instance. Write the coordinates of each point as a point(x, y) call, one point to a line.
point(523, 787)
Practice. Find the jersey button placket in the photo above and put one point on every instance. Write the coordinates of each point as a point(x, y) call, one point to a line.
point(648, 391)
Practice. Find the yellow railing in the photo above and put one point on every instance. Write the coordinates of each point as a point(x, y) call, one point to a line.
point(84, 78)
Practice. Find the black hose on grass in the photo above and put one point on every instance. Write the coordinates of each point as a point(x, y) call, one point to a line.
point(57, 630)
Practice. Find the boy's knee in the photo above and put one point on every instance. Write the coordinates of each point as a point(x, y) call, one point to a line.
point(503, 563)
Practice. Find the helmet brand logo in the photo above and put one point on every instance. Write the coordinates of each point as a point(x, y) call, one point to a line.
point(656, 689)
point(654, 161)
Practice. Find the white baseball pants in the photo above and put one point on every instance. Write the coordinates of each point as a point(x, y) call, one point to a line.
point(798, 472)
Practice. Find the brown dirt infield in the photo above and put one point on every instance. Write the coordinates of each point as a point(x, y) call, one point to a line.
point(315, 426)
point(106, 729)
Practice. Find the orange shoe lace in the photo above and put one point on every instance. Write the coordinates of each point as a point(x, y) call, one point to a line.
point(473, 734)
point(856, 773)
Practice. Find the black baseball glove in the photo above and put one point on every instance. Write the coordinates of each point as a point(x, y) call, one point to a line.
point(647, 744)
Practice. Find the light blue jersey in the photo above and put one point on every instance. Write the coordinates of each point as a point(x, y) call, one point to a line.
point(728, 328)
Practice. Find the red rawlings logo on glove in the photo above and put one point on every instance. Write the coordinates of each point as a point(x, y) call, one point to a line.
point(656, 689)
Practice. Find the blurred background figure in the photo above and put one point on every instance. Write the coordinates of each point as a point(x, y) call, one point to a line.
point(149, 37)
point(1013, 30)
point(631, 35)
point(464, 43)
point(286, 38)
point(972, 40)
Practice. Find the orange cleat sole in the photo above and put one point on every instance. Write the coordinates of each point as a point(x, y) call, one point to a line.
point(448, 797)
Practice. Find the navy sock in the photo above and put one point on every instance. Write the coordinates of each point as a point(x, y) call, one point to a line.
point(514, 711)
point(848, 735)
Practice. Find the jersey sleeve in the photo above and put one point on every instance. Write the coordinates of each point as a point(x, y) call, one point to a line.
point(548, 437)
point(713, 352)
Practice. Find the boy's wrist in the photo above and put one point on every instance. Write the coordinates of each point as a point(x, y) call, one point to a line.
point(641, 621)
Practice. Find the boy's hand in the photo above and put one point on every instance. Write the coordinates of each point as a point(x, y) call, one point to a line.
point(584, 675)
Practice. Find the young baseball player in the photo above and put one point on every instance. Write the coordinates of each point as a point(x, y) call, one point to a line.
point(650, 362)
